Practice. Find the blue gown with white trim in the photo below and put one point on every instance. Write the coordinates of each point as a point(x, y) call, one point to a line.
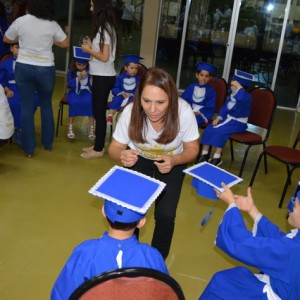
point(94, 257)
point(202, 98)
point(272, 252)
point(80, 95)
point(234, 114)
point(124, 84)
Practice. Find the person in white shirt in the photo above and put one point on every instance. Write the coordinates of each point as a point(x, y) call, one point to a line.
point(103, 53)
point(157, 135)
point(36, 33)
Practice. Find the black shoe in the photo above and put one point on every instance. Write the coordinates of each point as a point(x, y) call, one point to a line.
point(203, 158)
point(215, 161)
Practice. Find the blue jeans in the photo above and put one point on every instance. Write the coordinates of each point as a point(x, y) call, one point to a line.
point(30, 80)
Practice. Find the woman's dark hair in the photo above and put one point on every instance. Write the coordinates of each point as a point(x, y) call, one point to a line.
point(104, 20)
point(159, 78)
point(42, 9)
point(122, 226)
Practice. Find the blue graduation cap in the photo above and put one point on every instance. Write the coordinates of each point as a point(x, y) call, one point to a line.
point(80, 56)
point(291, 203)
point(128, 194)
point(206, 67)
point(242, 77)
point(207, 177)
point(132, 58)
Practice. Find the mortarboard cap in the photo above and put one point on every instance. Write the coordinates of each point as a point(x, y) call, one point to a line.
point(80, 56)
point(207, 67)
point(128, 194)
point(207, 177)
point(132, 58)
point(242, 77)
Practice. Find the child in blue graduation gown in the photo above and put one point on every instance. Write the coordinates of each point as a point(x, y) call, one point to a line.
point(274, 253)
point(125, 86)
point(201, 95)
point(117, 248)
point(80, 96)
point(232, 118)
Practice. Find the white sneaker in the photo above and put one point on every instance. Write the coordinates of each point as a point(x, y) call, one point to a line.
point(71, 134)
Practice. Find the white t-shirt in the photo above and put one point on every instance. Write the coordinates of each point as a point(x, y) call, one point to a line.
point(6, 118)
point(188, 131)
point(98, 67)
point(36, 37)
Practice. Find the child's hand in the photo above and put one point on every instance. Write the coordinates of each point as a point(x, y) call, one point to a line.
point(126, 95)
point(216, 121)
point(227, 195)
point(9, 93)
point(82, 75)
point(235, 85)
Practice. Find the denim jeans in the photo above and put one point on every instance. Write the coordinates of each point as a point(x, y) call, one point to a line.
point(32, 80)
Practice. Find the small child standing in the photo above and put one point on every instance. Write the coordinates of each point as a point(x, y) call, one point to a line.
point(232, 118)
point(80, 96)
point(125, 85)
point(200, 95)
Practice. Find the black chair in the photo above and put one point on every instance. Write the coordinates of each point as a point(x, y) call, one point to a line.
point(289, 156)
point(129, 284)
point(261, 115)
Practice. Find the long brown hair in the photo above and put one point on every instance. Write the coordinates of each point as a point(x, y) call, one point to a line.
point(104, 20)
point(137, 128)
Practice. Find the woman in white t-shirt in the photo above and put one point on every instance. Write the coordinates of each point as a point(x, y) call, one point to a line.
point(157, 135)
point(36, 33)
point(103, 53)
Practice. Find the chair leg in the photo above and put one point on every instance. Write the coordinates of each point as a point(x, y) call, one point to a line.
point(231, 150)
point(256, 168)
point(58, 119)
point(244, 161)
point(61, 113)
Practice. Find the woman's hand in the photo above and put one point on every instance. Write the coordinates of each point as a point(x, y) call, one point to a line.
point(165, 163)
point(129, 157)
point(86, 47)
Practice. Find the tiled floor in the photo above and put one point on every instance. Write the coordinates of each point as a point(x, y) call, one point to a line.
point(45, 210)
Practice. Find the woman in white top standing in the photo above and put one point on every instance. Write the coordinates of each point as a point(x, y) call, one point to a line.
point(103, 52)
point(36, 33)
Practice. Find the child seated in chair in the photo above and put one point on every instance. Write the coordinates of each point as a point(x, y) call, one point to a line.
point(232, 118)
point(80, 96)
point(7, 80)
point(274, 253)
point(200, 95)
point(125, 85)
point(118, 247)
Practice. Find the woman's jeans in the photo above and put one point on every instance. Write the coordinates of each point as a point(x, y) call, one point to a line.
point(34, 80)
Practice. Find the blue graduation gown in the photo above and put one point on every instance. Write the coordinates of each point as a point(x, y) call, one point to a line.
point(7, 79)
point(202, 98)
point(94, 257)
point(124, 83)
point(270, 251)
point(237, 106)
point(79, 96)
